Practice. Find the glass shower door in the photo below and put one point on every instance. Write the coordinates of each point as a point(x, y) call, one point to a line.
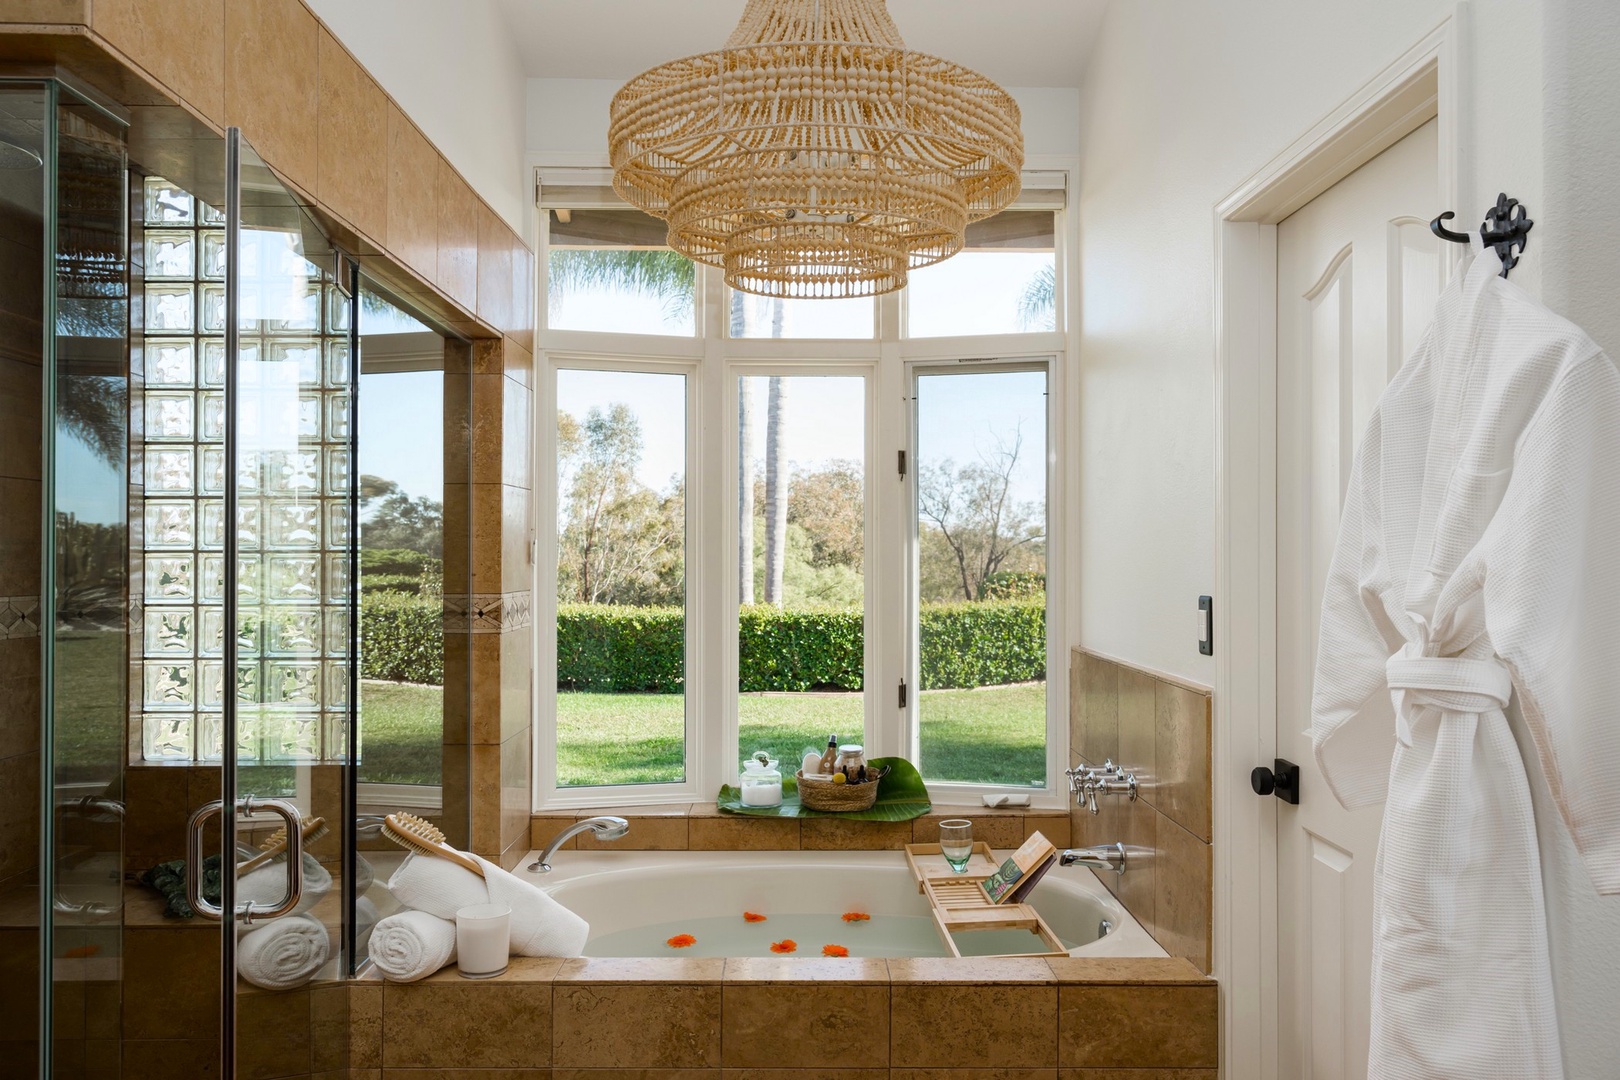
point(286, 677)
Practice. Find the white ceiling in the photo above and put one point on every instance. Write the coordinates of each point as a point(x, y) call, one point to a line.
point(1015, 42)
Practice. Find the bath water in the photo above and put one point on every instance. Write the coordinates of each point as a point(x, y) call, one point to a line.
point(883, 935)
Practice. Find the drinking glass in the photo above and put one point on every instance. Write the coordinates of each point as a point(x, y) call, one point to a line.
point(956, 842)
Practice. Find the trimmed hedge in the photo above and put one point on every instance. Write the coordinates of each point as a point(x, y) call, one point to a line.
point(611, 649)
point(402, 638)
point(985, 644)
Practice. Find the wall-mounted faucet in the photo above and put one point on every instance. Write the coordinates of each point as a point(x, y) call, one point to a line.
point(1085, 784)
point(1101, 857)
point(605, 828)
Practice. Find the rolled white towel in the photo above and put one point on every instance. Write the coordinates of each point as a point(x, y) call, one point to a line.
point(267, 885)
point(284, 953)
point(411, 945)
point(540, 925)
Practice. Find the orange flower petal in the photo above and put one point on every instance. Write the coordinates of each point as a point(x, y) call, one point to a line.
point(786, 945)
point(856, 916)
point(753, 916)
point(681, 941)
point(82, 952)
point(834, 950)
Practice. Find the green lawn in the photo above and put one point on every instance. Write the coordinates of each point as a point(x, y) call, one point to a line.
point(401, 733)
point(992, 735)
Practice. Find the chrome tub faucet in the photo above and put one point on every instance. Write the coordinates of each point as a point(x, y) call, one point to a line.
point(1101, 857)
point(605, 828)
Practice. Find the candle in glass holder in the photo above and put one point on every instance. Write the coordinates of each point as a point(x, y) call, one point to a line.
point(483, 940)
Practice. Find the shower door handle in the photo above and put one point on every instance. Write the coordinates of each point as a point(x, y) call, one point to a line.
point(246, 807)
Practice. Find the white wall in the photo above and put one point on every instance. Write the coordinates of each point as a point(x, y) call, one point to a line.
point(1184, 101)
point(570, 117)
point(454, 69)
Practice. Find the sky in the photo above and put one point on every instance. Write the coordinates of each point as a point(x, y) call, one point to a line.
point(401, 436)
point(976, 292)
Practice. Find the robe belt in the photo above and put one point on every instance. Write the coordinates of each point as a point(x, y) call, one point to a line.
point(1450, 684)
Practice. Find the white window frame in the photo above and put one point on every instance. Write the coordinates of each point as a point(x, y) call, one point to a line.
point(889, 361)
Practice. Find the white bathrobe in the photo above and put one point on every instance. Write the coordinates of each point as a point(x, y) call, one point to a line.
point(1478, 559)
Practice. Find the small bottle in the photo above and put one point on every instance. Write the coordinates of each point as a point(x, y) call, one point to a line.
point(830, 758)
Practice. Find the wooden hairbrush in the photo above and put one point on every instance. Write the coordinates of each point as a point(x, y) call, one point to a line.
point(313, 829)
point(425, 838)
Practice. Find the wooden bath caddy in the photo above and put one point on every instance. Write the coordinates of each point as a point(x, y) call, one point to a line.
point(960, 906)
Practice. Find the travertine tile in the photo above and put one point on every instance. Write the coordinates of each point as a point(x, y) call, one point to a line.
point(1055, 828)
point(352, 141)
point(634, 969)
point(1126, 970)
point(999, 829)
point(192, 64)
point(271, 84)
point(488, 406)
point(651, 829)
point(328, 1028)
point(20, 443)
point(166, 1059)
point(19, 828)
point(517, 572)
point(1182, 785)
point(636, 1074)
point(1183, 893)
point(494, 269)
point(1097, 734)
point(273, 1034)
point(517, 791)
point(804, 1074)
point(485, 799)
point(973, 1074)
point(792, 969)
point(955, 1024)
point(816, 1025)
point(981, 970)
point(1137, 1074)
point(19, 537)
point(615, 1025)
point(523, 297)
point(57, 12)
point(462, 1024)
point(1137, 1026)
point(413, 199)
point(464, 1074)
point(517, 666)
point(517, 427)
point(1137, 726)
point(365, 1025)
point(485, 553)
point(457, 271)
point(543, 828)
point(836, 834)
point(739, 833)
point(170, 983)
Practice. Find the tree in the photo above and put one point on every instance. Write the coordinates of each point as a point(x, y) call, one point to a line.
point(1037, 307)
point(620, 541)
point(829, 504)
point(395, 520)
point(776, 489)
point(745, 484)
point(974, 517)
point(658, 273)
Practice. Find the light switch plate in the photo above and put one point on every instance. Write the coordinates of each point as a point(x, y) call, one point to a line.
point(1206, 625)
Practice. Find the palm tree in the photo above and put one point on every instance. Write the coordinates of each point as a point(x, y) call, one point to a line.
point(776, 486)
point(1037, 308)
point(657, 273)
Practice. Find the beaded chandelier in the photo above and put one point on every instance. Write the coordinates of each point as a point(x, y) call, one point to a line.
point(814, 155)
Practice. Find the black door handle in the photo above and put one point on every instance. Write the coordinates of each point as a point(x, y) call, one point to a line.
point(1281, 780)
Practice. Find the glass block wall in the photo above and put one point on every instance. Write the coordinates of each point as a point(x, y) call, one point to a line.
point(291, 538)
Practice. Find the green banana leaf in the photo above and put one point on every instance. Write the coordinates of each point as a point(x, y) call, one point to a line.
point(901, 797)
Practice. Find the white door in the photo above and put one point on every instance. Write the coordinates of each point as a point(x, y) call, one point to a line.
point(1358, 272)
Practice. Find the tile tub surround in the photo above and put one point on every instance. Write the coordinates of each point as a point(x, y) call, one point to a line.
point(1158, 727)
point(794, 1019)
point(701, 827)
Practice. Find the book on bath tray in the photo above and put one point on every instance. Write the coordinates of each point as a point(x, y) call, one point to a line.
point(1013, 880)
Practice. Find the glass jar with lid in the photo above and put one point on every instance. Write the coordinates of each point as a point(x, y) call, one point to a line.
point(761, 782)
point(851, 761)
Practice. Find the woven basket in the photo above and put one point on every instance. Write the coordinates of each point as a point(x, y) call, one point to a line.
point(822, 794)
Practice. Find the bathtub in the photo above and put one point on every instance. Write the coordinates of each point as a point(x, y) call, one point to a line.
point(636, 900)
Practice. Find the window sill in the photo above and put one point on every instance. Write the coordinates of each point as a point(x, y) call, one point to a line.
point(701, 827)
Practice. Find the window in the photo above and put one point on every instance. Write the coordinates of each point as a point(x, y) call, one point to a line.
point(610, 269)
point(873, 491)
point(1004, 282)
point(621, 578)
point(801, 563)
point(981, 576)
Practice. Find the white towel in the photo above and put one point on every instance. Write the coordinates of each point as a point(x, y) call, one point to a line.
point(412, 945)
point(540, 925)
point(267, 886)
point(284, 953)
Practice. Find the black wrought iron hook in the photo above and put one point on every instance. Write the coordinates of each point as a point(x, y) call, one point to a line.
point(1507, 226)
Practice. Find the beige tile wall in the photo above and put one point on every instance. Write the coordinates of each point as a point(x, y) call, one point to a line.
point(1158, 728)
point(798, 1019)
point(701, 827)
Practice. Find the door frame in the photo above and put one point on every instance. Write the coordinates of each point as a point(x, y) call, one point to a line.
point(1424, 83)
